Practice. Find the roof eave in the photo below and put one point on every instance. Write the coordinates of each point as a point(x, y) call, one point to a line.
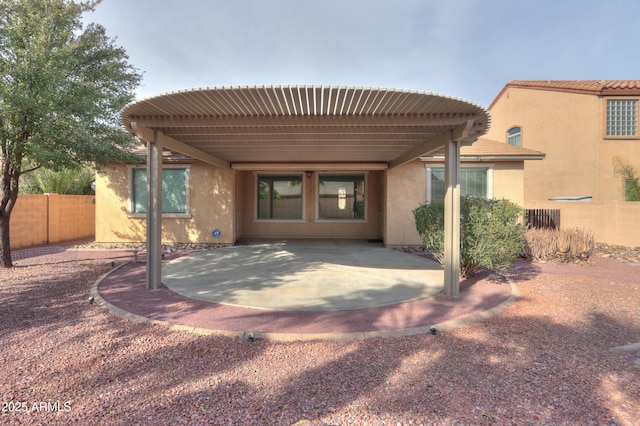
point(604, 90)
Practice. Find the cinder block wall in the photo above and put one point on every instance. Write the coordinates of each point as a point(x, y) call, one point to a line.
point(71, 217)
point(612, 222)
point(28, 225)
point(51, 218)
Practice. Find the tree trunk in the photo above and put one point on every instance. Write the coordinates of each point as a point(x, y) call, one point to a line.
point(5, 249)
point(9, 179)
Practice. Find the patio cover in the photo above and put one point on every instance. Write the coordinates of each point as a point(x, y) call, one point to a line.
point(311, 126)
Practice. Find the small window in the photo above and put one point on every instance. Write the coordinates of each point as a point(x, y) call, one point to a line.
point(622, 117)
point(474, 181)
point(280, 197)
point(341, 197)
point(514, 136)
point(175, 186)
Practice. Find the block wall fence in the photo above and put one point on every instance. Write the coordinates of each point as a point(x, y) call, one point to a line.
point(612, 222)
point(51, 218)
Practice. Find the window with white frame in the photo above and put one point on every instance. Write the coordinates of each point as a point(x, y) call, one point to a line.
point(514, 136)
point(474, 181)
point(622, 117)
point(175, 191)
point(279, 197)
point(341, 197)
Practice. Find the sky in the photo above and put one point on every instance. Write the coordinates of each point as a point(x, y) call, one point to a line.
point(464, 48)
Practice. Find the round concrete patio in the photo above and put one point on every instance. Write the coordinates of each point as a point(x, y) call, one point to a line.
point(304, 275)
point(300, 290)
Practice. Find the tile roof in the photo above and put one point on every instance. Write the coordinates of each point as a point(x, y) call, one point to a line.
point(587, 87)
point(486, 149)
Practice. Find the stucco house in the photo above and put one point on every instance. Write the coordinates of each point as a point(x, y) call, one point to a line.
point(583, 127)
point(300, 162)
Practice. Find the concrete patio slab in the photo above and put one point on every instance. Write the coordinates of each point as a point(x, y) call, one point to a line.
point(305, 275)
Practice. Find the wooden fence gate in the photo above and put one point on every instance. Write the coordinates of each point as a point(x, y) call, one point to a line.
point(543, 218)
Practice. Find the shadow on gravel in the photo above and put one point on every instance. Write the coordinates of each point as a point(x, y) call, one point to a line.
point(53, 300)
point(524, 369)
point(524, 372)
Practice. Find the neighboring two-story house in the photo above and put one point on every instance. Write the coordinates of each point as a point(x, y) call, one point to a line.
point(585, 128)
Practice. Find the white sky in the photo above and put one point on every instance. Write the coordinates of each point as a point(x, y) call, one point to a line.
point(464, 48)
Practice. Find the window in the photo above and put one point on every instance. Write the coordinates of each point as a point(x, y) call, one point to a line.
point(175, 184)
point(474, 181)
point(514, 136)
point(622, 117)
point(341, 196)
point(279, 197)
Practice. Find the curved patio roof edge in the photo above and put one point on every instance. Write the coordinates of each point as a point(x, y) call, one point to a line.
point(297, 94)
point(313, 86)
point(306, 122)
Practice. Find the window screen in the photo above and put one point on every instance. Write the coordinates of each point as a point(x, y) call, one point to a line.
point(341, 196)
point(174, 191)
point(473, 182)
point(280, 197)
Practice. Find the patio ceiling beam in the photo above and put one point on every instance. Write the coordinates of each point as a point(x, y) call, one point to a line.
point(147, 134)
point(464, 132)
point(389, 131)
point(399, 120)
point(308, 166)
point(429, 146)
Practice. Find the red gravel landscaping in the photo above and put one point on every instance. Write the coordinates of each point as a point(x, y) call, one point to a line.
point(545, 359)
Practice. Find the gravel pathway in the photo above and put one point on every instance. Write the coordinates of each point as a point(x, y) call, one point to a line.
point(545, 359)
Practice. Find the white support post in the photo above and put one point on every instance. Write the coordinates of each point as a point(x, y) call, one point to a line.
point(452, 218)
point(154, 212)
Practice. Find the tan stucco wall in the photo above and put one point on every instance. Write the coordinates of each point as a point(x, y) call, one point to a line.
point(248, 227)
point(51, 218)
point(508, 181)
point(211, 200)
point(568, 127)
point(390, 205)
point(406, 190)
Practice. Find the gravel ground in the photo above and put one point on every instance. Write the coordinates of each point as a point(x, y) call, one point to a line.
point(546, 359)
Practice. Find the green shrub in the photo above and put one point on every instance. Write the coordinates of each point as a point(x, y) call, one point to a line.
point(491, 235)
point(631, 178)
point(564, 245)
point(430, 225)
point(68, 181)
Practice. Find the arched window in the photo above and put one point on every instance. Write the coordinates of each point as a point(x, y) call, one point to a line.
point(514, 136)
